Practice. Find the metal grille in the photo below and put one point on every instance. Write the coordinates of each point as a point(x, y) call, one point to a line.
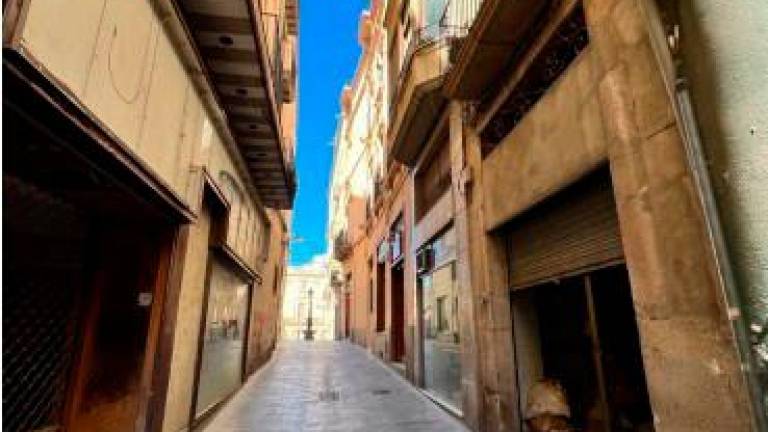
point(569, 40)
point(38, 304)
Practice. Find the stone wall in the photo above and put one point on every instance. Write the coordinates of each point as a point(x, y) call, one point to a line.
point(612, 102)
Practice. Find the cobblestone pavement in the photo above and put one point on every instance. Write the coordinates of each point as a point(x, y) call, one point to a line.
point(329, 386)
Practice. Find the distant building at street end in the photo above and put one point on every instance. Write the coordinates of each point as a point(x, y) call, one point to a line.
point(307, 288)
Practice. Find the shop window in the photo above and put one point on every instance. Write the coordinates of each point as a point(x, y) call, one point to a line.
point(438, 300)
point(223, 336)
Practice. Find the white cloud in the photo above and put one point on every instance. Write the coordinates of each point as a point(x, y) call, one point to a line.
point(319, 261)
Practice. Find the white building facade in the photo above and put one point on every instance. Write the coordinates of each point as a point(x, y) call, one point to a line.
point(307, 287)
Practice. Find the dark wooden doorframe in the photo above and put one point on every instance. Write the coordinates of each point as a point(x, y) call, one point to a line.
point(43, 102)
point(161, 256)
point(192, 421)
point(154, 353)
point(165, 341)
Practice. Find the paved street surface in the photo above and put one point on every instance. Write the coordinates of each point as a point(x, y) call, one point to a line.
point(329, 386)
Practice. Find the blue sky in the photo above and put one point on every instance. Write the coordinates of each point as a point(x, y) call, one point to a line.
point(328, 53)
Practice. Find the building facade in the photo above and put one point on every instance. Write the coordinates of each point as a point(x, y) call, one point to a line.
point(307, 288)
point(355, 181)
point(547, 215)
point(148, 182)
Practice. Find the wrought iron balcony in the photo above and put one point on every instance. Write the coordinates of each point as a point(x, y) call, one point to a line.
point(342, 246)
point(416, 98)
point(336, 280)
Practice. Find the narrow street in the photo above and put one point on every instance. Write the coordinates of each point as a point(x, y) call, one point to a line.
point(329, 386)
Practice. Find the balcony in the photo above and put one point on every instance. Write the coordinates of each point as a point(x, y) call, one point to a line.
point(342, 246)
point(240, 47)
point(336, 280)
point(497, 31)
point(417, 100)
point(379, 189)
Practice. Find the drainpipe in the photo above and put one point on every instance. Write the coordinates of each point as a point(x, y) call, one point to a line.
point(665, 47)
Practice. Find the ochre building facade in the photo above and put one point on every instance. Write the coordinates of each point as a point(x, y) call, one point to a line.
point(148, 185)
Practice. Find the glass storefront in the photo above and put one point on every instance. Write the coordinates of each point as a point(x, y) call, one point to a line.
point(221, 367)
point(440, 320)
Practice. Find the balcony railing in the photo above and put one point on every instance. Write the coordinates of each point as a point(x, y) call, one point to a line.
point(273, 31)
point(460, 15)
point(378, 190)
point(453, 25)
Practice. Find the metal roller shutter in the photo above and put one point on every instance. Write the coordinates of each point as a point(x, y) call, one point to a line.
point(570, 232)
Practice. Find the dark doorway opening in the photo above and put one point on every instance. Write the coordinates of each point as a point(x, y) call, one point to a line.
point(581, 332)
point(86, 265)
point(397, 328)
point(381, 297)
point(347, 313)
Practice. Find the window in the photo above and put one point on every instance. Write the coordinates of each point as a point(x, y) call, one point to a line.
point(442, 314)
point(404, 11)
point(235, 196)
point(225, 330)
point(433, 180)
point(396, 239)
point(266, 230)
point(433, 15)
point(438, 292)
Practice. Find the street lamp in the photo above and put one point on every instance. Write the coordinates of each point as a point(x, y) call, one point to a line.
point(309, 334)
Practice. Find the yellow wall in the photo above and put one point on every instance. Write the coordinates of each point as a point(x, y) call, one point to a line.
point(115, 58)
point(187, 332)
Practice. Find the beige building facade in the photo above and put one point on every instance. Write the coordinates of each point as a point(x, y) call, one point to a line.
point(357, 177)
point(308, 303)
point(149, 150)
point(545, 216)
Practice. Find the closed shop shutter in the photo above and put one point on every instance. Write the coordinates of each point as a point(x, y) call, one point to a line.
point(574, 230)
